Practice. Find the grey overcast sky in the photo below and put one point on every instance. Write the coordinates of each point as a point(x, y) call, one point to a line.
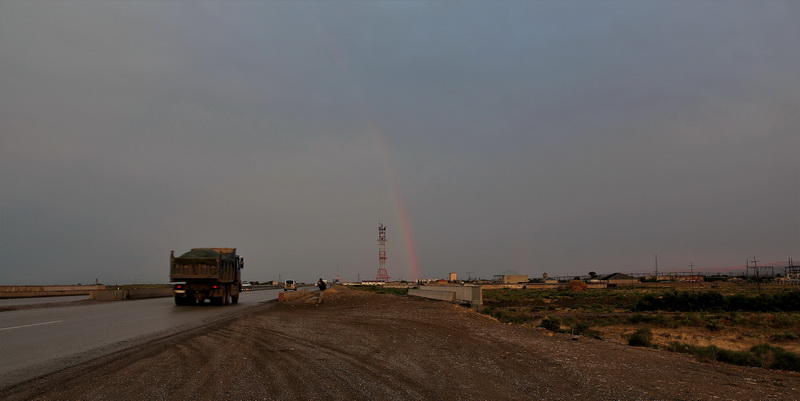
point(490, 136)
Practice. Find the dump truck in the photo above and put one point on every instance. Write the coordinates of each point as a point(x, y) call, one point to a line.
point(202, 274)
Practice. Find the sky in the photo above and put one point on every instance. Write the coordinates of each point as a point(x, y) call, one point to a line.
point(490, 137)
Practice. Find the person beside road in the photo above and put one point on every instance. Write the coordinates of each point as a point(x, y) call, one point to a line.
point(322, 286)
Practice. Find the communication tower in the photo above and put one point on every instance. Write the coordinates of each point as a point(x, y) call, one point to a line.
point(383, 274)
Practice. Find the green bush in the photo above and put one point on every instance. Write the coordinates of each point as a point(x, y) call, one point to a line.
point(656, 319)
point(764, 355)
point(773, 357)
point(687, 301)
point(641, 338)
point(580, 328)
point(552, 324)
point(585, 329)
point(741, 358)
point(784, 337)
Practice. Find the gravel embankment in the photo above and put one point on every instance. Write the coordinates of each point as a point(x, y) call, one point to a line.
point(362, 346)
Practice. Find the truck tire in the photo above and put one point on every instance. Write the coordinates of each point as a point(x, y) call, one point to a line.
point(234, 299)
point(226, 298)
point(179, 301)
point(217, 301)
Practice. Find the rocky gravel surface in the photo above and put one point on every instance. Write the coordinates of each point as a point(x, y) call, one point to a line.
point(363, 346)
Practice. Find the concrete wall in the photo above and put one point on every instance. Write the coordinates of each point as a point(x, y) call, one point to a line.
point(141, 293)
point(25, 291)
point(109, 295)
point(467, 294)
point(135, 293)
point(448, 296)
point(26, 288)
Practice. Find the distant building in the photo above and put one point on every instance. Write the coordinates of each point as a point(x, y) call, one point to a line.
point(792, 273)
point(514, 278)
point(452, 276)
point(620, 279)
point(691, 279)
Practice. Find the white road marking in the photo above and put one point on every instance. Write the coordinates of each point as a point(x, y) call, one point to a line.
point(30, 325)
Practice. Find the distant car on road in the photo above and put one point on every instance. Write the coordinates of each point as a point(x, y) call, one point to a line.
point(246, 286)
point(289, 285)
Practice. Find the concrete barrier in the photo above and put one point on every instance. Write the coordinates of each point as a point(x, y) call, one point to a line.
point(44, 288)
point(466, 294)
point(141, 293)
point(109, 295)
point(133, 293)
point(27, 291)
point(448, 296)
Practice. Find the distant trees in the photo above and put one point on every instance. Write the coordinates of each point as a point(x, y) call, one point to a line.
point(592, 275)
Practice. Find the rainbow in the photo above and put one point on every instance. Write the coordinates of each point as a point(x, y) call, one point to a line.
point(401, 213)
point(400, 210)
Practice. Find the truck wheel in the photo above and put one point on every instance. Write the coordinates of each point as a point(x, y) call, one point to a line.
point(179, 301)
point(226, 299)
point(216, 301)
point(234, 299)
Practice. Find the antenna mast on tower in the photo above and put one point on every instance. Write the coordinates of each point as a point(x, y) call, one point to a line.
point(383, 274)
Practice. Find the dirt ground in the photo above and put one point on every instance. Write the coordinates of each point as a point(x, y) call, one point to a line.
point(363, 346)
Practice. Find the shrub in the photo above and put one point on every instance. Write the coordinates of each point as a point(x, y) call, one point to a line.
point(585, 329)
point(773, 357)
point(679, 347)
point(656, 319)
point(741, 358)
point(764, 355)
point(713, 301)
point(551, 324)
point(784, 337)
point(576, 285)
point(580, 327)
point(641, 338)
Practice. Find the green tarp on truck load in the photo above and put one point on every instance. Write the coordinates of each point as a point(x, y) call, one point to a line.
point(207, 253)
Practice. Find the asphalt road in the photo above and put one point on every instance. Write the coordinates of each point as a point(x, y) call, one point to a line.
point(38, 341)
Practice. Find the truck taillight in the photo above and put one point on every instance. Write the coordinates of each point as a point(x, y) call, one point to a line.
point(215, 286)
point(178, 287)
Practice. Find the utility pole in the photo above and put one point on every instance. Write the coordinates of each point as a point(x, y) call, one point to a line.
point(755, 268)
point(656, 255)
point(383, 273)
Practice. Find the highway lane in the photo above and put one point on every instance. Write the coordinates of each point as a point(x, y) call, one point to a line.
point(32, 339)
